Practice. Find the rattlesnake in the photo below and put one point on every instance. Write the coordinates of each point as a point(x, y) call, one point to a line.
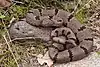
point(69, 39)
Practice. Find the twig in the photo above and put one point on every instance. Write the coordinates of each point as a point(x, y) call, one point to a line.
point(8, 43)
point(6, 30)
point(76, 7)
point(84, 6)
point(10, 50)
point(25, 38)
point(11, 22)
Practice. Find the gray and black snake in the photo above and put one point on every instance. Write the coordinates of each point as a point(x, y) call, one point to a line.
point(70, 40)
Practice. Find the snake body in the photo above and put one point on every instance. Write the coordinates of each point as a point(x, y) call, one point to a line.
point(70, 40)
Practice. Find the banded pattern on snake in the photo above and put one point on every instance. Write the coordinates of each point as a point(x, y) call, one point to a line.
point(70, 40)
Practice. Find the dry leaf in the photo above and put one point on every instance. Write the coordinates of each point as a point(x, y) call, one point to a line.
point(5, 3)
point(45, 59)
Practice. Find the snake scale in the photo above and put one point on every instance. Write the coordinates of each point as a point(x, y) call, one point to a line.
point(70, 40)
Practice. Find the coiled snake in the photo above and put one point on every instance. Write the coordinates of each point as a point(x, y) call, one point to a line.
point(70, 40)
